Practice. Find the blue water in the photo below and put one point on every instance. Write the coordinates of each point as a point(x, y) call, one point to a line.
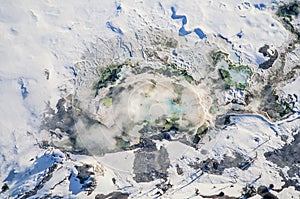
point(113, 28)
point(240, 34)
point(127, 47)
point(73, 71)
point(175, 108)
point(161, 6)
point(175, 16)
point(24, 91)
point(174, 53)
point(260, 6)
point(182, 31)
point(225, 38)
point(200, 33)
point(119, 8)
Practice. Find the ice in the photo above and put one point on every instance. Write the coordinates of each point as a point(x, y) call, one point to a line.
point(113, 28)
point(182, 30)
point(42, 43)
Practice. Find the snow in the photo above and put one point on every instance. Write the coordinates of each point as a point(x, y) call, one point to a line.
point(42, 40)
point(121, 161)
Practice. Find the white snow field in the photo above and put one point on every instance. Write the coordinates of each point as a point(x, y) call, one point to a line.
point(149, 99)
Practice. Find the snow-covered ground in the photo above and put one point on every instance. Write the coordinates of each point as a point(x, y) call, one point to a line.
point(43, 45)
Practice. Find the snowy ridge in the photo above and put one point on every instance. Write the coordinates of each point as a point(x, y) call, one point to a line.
point(50, 51)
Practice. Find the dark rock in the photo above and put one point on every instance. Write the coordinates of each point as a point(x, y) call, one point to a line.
point(294, 170)
point(167, 73)
point(164, 186)
point(147, 130)
point(4, 188)
point(215, 167)
point(179, 170)
point(146, 144)
point(272, 105)
point(171, 42)
point(269, 195)
point(264, 192)
point(289, 10)
point(248, 191)
point(63, 118)
point(196, 139)
point(113, 195)
point(161, 136)
point(221, 195)
point(248, 98)
point(244, 165)
point(114, 92)
point(86, 178)
point(84, 173)
point(108, 76)
point(222, 120)
point(151, 165)
point(288, 156)
point(272, 57)
point(47, 196)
